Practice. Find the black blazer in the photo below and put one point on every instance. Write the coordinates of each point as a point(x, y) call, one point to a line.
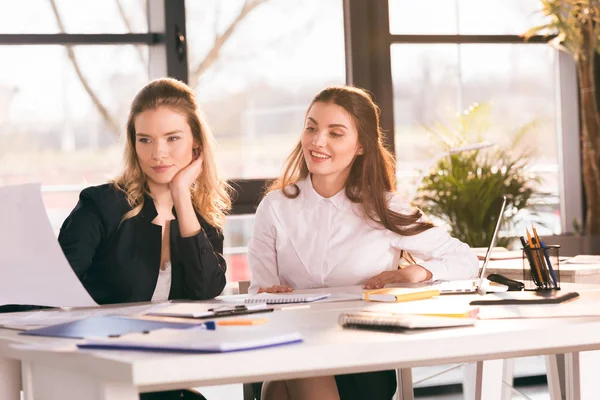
point(119, 262)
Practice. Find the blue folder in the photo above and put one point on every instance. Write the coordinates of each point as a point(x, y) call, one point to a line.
point(111, 326)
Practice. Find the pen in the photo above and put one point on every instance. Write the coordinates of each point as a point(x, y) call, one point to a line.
point(208, 325)
point(540, 257)
point(552, 273)
point(528, 253)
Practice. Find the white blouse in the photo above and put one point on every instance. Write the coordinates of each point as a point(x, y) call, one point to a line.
point(163, 283)
point(312, 242)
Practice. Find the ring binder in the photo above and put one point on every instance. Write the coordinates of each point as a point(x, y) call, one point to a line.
point(271, 298)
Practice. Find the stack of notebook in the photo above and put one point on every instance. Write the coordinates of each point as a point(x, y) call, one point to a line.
point(400, 322)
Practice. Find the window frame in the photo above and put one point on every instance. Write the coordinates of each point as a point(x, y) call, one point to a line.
point(368, 49)
point(368, 42)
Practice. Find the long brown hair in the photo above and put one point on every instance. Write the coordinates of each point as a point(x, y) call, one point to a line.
point(210, 194)
point(372, 175)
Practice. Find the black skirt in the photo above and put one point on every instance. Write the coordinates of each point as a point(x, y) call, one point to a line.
point(380, 385)
point(172, 395)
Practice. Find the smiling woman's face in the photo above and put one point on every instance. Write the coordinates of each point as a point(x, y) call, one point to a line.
point(330, 140)
point(164, 143)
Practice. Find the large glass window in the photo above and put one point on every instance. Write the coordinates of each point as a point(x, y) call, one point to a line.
point(255, 70)
point(77, 16)
point(52, 129)
point(516, 82)
point(464, 17)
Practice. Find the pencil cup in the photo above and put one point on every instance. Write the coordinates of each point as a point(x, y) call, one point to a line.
point(541, 269)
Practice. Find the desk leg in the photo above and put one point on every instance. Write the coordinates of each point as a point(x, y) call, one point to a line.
point(47, 383)
point(405, 384)
point(508, 377)
point(483, 380)
point(553, 377)
point(581, 376)
point(10, 379)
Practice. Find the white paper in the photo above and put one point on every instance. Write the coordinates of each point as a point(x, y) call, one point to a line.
point(583, 259)
point(33, 268)
point(39, 319)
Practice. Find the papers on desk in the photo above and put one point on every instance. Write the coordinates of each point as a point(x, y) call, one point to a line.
point(447, 306)
point(502, 255)
point(583, 259)
point(108, 326)
point(39, 319)
point(33, 267)
point(196, 341)
point(204, 310)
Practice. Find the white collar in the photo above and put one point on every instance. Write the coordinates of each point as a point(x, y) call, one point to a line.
point(312, 198)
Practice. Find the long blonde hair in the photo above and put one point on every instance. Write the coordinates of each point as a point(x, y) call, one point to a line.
point(372, 174)
point(210, 193)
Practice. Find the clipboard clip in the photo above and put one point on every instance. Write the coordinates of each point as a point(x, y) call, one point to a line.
point(237, 309)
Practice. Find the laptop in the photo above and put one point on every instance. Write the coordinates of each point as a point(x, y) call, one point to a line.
point(480, 283)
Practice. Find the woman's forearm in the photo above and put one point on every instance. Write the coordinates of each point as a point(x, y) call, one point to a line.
point(186, 216)
point(415, 273)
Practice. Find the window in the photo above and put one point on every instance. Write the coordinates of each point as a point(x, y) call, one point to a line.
point(51, 130)
point(78, 16)
point(433, 79)
point(463, 17)
point(255, 86)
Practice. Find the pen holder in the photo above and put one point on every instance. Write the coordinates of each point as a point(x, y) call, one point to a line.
point(541, 269)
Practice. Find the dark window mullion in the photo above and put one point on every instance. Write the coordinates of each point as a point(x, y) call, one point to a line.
point(81, 39)
point(467, 39)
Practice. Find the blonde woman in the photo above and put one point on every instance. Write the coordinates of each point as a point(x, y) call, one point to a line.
point(155, 232)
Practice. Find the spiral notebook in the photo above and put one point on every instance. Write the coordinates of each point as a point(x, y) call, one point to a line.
point(281, 298)
point(399, 322)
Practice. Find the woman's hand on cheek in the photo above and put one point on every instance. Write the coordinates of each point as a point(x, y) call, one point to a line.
point(276, 289)
point(185, 178)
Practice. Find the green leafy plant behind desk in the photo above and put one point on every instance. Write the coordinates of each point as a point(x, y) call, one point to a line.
point(465, 190)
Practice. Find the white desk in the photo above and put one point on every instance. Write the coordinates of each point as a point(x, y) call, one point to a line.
point(328, 349)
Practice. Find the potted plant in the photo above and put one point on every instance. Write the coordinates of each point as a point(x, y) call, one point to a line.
point(576, 24)
point(465, 189)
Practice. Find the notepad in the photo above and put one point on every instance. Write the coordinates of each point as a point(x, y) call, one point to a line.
point(195, 341)
point(203, 310)
point(400, 294)
point(399, 322)
point(281, 298)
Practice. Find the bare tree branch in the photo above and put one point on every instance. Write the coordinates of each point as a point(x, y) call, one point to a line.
point(278, 43)
point(129, 27)
point(220, 39)
point(84, 82)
